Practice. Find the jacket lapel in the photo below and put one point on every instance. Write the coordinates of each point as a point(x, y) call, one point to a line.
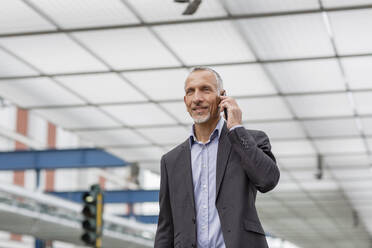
point(224, 149)
point(187, 170)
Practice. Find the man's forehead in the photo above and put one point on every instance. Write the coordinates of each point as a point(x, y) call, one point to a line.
point(201, 76)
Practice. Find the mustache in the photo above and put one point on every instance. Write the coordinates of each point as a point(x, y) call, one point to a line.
point(198, 106)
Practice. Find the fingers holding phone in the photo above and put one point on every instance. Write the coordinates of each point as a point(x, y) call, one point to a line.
point(234, 114)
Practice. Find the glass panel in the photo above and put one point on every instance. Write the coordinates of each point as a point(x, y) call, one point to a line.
point(321, 105)
point(245, 80)
point(139, 114)
point(340, 145)
point(206, 43)
point(16, 16)
point(239, 7)
point(10, 66)
point(102, 88)
point(86, 13)
point(113, 137)
point(307, 76)
point(128, 48)
point(81, 117)
point(358, 72)
point(327, 128)
point(350, 29)
point(160, 84)
point(278, 130)
point(167, 135)
point(264, 108)
point(300, 36)
point(37, 92)
point(52, 53)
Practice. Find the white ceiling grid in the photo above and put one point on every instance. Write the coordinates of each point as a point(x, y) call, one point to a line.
point(113, 73)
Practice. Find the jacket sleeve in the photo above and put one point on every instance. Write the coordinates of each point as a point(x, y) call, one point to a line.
point(164, 233)
point(256, 158)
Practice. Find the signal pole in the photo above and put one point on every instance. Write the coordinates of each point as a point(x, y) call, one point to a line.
point(93, 217)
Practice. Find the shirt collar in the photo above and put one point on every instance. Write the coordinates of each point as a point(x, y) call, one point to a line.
point(216, 132)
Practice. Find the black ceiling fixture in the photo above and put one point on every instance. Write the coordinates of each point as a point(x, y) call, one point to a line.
point(191, 7)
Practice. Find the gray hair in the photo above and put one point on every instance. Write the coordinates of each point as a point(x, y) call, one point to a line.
point(218, 77)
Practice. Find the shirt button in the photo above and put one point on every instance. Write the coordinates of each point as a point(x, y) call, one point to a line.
point(204, 206)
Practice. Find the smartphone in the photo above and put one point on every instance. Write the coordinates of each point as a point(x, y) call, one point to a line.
point(224, 109)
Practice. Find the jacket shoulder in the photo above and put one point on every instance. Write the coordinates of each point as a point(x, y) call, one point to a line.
point(256, 133)
point(174, 152)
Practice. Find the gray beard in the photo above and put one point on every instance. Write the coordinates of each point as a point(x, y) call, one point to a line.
point(200, 120)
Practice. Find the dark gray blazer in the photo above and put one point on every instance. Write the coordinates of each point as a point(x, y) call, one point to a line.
point(245, 164)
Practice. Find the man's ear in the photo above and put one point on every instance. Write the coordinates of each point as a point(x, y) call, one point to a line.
point(223, 93)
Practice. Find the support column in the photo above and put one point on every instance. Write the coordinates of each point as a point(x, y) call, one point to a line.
point(49, 174)
point(19, 176)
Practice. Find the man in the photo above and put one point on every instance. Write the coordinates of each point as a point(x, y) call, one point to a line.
point(209, 183)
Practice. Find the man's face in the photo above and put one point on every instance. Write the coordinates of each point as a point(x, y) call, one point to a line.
point(201, 96)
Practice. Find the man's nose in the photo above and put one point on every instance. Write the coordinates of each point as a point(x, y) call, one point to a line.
point(198, 97)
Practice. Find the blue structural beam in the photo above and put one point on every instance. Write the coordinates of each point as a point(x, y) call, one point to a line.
point(148, 219)
point(114, 196)
point(56, 159)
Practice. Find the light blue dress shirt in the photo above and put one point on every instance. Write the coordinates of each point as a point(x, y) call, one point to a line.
point(204, 163)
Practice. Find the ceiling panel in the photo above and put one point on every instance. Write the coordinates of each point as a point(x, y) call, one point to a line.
point(264, 108)
point(102, 88)
point(354, 174)
point(116, 137)
point(138, 154)
point(86, 13)
point(169, 10)
point(52, 53)
point(350, 29)
point(363, 102)
point(78, 117)
point(127, 48)
point(369, 140)
point(36, 92)
point(16, 16)
point(6, 145)
point(320, 185)
point(239, 7)
point(355, 186)
point(10, 66)
point(298, 162)
point(279, 130)
point(166, 135)
point(216, 42)
point(178, 109)
point(287, 187)
point(367, 125)
point(344, 3)
point(307, 76)
point(308, 175)
point(295, 147)
point(160, 84)
point(358, 72)
point(139, 114)
point(324, 105)
point(333, 127)
point(300, 36)
point(349, 145)
point(342, 160)
point(245, 80)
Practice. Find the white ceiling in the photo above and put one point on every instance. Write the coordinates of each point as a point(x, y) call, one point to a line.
point(113, 72)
